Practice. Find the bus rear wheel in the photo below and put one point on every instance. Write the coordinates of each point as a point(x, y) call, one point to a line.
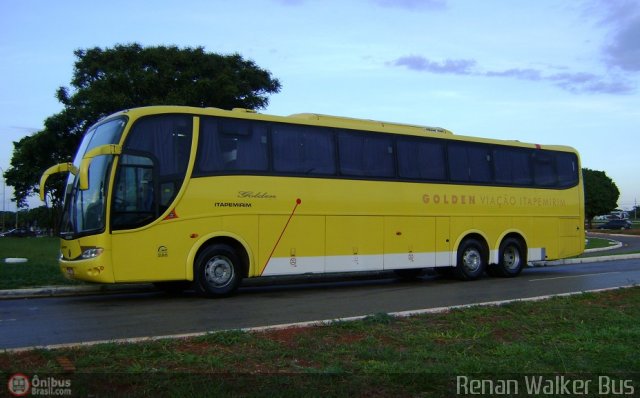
point(217, 271)
point(471, 261)
point(512, 258)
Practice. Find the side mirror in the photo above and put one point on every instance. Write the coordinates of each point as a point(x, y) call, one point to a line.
point(109, 149)
point(59, 168)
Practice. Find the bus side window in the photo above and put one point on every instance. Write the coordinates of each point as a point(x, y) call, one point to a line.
point(167, 140)
point(229, 145)
point(544, 171)
point(470, 162)
point(567, 166)
point(366, 155)
point(303, 150)
point(421, 159)
point(512, 166)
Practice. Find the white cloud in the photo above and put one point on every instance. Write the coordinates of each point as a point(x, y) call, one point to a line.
point(574, 82)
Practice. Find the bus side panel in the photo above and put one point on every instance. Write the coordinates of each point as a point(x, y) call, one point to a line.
point(570, 239)
point(443, 242)
point(294, 248)
point(154, 254)
point(245, 227)
point(354, 243)
point(409, 242)
point(545, 236)
point(535, 250)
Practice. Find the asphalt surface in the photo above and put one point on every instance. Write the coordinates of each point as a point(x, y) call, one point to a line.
point(628, 243)
point(28, 322)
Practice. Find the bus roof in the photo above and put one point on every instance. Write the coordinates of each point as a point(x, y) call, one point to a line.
point(365, 123)
point(315, 119)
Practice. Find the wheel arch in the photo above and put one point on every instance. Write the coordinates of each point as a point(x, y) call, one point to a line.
point(514, 234)
point(471, 234)
point(236, 242)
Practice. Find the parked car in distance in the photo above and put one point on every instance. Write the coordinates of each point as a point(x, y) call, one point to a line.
point(19, 233)
point(616, 224)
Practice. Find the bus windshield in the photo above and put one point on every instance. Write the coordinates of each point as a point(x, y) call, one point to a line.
point(84, 210)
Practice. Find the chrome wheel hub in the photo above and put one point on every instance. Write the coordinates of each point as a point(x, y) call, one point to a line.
point(511, 258)
point(219, 271)
point(472, 260)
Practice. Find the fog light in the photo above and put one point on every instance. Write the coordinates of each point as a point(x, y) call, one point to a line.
point(92, 252)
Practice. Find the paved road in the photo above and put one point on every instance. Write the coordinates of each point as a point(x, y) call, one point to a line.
point(46, 321)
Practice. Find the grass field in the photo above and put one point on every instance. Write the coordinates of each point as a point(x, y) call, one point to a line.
point(597, 243)
point(41, 268)
point(581, 337)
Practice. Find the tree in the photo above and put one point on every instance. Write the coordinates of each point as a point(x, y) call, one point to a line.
point(127, 76)
point(600, 194)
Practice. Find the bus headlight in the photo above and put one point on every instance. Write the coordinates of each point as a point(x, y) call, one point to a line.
point(92, 252)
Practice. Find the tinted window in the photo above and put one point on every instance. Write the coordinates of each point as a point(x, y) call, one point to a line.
point(567, 165)
point(167, 138)
point(134, 198)
point(544, 170)
point(230, 145)
point(469, 162)
point(419, 159)
point(512, 166)
point(304, 150)
point(366, 155)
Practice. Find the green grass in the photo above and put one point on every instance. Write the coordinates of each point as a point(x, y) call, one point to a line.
point(596, 243)
point(41, 268)
point(582, 336)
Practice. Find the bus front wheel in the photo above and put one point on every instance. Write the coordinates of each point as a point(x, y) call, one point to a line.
point(217, 271)
point(471, 261)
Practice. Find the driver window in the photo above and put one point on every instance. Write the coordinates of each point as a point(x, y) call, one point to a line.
point(134, 198)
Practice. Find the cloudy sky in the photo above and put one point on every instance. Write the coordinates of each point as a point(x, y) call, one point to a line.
point(545, 71)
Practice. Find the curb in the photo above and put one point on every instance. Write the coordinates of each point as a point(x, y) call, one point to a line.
point(585, 260)
point(85, 290)
point(614, 245)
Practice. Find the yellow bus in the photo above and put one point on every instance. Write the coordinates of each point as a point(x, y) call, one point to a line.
point(203, 196)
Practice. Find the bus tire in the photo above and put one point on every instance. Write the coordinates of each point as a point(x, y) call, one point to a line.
point(512, 258)
point(471, 261)
point(217, 271)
